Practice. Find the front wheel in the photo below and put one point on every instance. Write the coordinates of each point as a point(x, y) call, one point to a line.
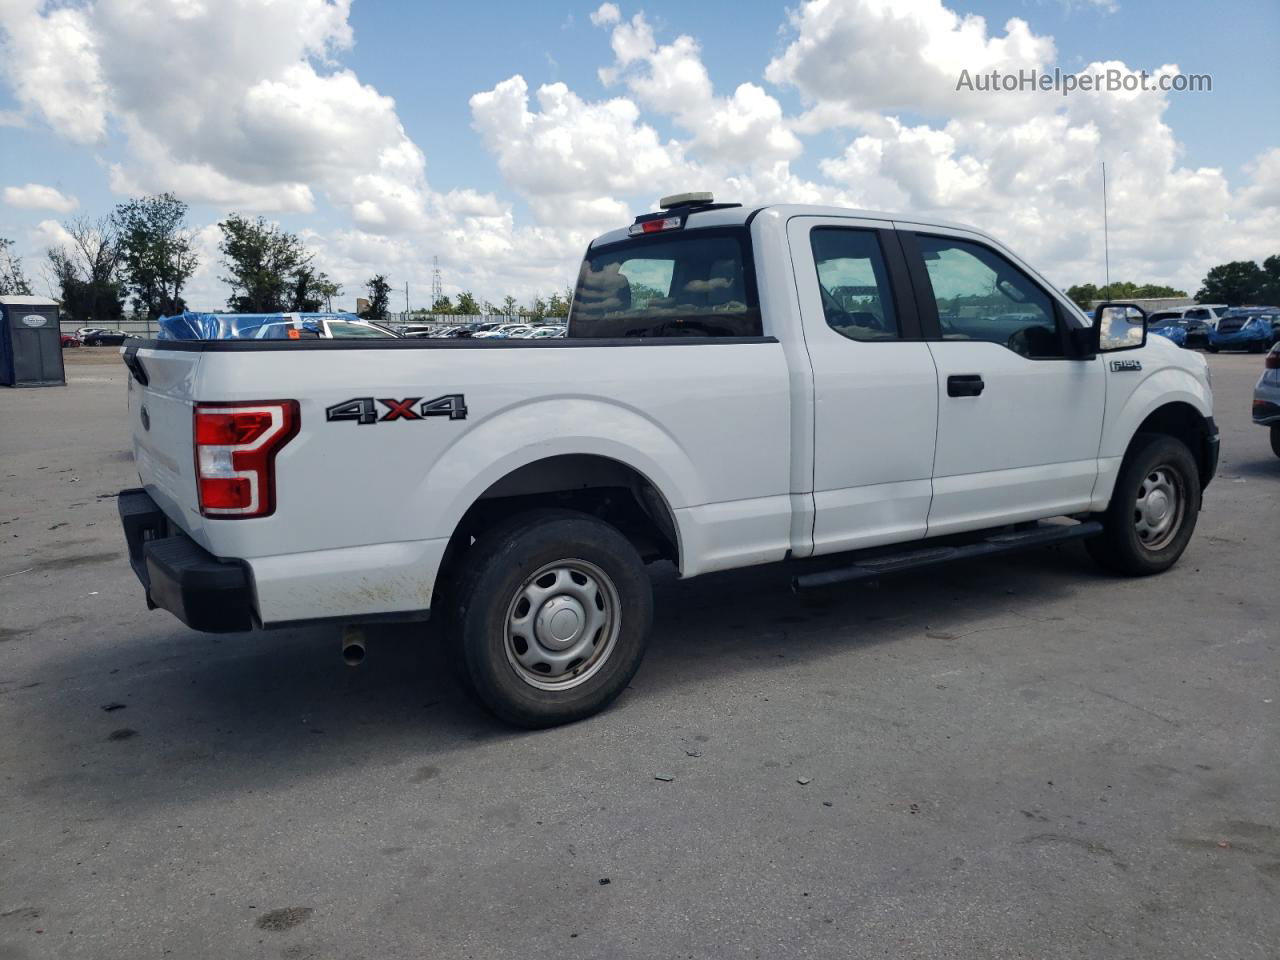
point(552, 614)
point(1153, 508)
point(1275, 439)
point(1211, 348)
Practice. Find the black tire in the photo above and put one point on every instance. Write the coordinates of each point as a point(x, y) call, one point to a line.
point(1121, 548)
point(493, 582)
point(1275, 439)
point(1211, 348)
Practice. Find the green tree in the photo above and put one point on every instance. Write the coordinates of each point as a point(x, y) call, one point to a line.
point(155, 253)
point(538, 309)
point(13, 282)
point(443, 305)
point(1234, 283)
point(87, 272)
point(262, 263)
point(467, 304)
point(379, 297)
point(1085, 294)
point(1271, 285)
point(510, 306)
point(311, 291)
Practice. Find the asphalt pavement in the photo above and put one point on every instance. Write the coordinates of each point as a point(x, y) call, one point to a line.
point(1017, 757)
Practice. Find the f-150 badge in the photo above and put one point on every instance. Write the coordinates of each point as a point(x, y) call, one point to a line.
point(1119, 366)
point(366, 410)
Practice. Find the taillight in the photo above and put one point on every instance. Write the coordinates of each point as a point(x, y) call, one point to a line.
point(236, 446)
point(1273, 358)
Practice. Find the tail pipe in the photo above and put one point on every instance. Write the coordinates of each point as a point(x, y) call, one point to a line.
point(352, 646)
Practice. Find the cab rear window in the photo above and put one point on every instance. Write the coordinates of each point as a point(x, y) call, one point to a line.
point(698, 283)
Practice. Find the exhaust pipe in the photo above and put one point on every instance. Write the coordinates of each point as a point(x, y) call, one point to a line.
point(352, 646)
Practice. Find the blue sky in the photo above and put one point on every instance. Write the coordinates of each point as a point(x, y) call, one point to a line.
point(477, 186)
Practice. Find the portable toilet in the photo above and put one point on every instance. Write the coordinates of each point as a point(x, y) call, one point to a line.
point(30, 343)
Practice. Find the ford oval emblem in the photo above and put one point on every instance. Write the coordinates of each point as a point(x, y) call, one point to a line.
point(34, 320)
point(146, 419)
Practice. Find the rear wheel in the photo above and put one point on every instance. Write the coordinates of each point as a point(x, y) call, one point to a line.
point(1211, 348)
point(1275, 439)
point(552, 617)
point(1153, 508)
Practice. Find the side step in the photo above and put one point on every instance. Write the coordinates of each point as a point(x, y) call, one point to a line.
point(871, 568)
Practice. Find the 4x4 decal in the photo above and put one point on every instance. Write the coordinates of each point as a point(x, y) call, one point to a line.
point(365, 409)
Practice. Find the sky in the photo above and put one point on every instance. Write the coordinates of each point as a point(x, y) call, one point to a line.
point(501, 137)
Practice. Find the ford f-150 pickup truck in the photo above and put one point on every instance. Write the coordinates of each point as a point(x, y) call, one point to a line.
point(854, 393)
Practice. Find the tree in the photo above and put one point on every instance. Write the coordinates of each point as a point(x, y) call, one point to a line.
point(1085, 294)
point(88, 272)
point(309, 291)
point(379, 297)
point(13, 282)
point(467, 304)
point(155, 253)
point(262, 262)
point(443, 305)
point(1234, 283)
point(1271, 286)
point(510, 305)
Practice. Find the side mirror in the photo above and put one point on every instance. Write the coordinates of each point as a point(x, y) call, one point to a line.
point(1120, 326)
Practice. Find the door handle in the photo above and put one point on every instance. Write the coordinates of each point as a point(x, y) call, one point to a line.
point(964, 385)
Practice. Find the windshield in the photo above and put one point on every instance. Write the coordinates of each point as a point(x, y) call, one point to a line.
point(696, 283)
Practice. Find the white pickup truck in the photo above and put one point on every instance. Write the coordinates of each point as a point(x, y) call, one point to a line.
point(851, 392)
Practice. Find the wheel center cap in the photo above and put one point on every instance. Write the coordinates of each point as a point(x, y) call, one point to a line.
point(1157, 506)
point(559, 623)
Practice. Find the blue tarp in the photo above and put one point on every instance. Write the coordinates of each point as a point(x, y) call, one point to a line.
point(241, 326)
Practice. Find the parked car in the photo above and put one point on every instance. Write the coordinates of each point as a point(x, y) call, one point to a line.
point(70, 340)
point(1266, 398)
point(93, 337)
point(1242, 330)
point(1195, 321)
point(503, 331)
point(547, 332)
point(737, 415)
point(1169, 326)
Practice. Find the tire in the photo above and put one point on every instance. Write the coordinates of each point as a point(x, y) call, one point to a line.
point(1275, 439)
point(1211, 348)
point(551, 617)
point(1158, 472)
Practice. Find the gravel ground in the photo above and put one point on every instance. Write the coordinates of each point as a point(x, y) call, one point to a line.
point(1010, 758)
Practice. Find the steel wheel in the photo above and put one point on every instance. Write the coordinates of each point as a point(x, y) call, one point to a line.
point(562, 624)
point(1160, 507)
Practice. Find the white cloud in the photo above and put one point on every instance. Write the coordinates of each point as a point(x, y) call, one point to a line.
point(901, 55)
point(37, 196)
point(51, 61)
point(605, 14)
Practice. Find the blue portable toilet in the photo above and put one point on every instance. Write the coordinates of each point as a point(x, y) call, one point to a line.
point(30, 343)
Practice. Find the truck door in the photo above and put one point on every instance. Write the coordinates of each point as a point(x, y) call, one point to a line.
point(874, 383)
point(1019, 421)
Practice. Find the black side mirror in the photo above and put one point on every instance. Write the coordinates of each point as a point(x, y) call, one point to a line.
point(1120, 326)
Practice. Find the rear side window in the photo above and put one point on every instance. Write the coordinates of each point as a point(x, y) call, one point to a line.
point(698, 283)
point(854, 284)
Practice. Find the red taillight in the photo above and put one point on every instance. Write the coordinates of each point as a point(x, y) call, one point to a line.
point(655, 226)
point(1273, 358)
point(235, 447)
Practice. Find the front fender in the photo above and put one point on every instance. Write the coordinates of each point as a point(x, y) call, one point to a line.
point(520, 435)
point(1157, 389)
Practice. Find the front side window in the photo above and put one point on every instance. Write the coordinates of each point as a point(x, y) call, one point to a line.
point(854, 284)
point(982, 296)
point(693, 283)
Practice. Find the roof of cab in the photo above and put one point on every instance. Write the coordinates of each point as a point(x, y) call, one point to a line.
point(738, 215)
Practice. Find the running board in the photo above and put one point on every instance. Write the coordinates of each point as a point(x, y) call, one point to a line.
point(872, 568)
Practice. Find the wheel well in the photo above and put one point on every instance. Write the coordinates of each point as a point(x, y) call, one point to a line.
point(613, 491)
point(1186, 423)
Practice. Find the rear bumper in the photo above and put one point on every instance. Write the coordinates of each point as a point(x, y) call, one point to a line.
point(179, 575)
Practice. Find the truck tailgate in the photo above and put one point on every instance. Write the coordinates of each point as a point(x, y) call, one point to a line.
point(160, 417)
